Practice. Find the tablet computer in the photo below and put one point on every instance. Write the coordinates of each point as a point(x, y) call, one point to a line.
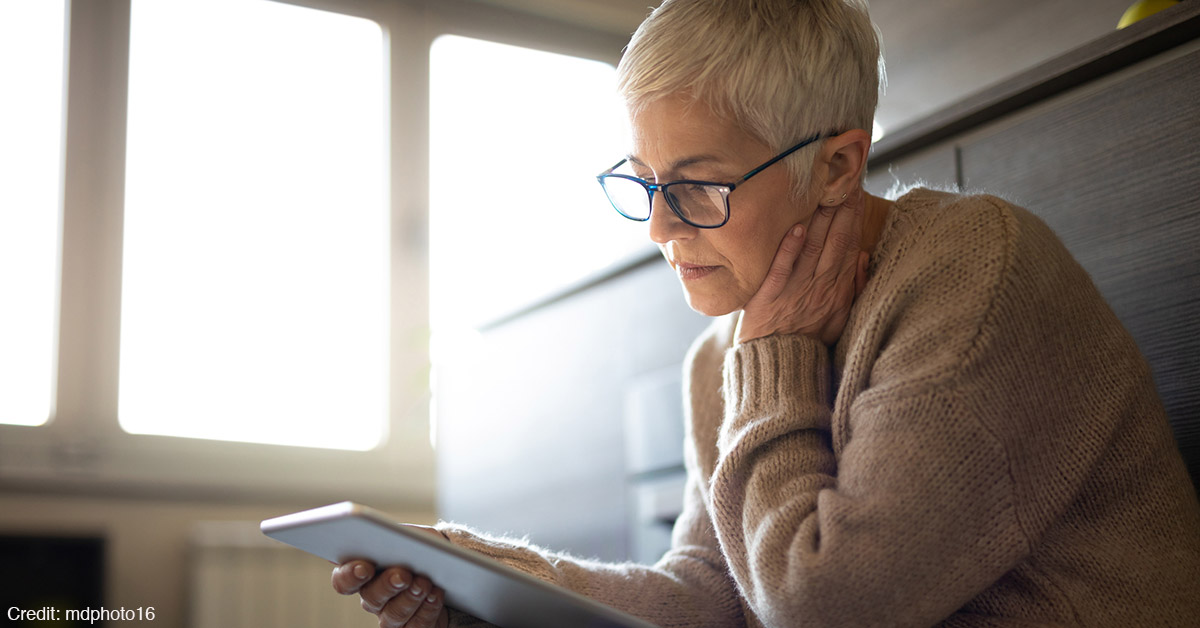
point(473, 583)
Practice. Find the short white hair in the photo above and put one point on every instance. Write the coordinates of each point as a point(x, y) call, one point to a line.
point(783, 70)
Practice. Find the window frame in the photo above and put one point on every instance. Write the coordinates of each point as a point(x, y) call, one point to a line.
point(82, 448)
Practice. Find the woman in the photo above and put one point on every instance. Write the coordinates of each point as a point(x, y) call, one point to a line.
point(907, 413)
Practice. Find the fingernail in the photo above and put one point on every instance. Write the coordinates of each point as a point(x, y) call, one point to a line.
point(432, 598)
point(417, 591)
point(397, 582)
point(360, 571)
point(798, 231)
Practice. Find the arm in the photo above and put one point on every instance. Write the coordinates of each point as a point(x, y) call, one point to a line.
point(689, 587)
point(915, 520)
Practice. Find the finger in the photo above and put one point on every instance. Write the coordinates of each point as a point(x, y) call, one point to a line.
point(839, 255)
point(427, 614)
point(351, 576)
point(842, 293)
point(783, 264)
point(383, 589)
point(400, 610)
point(814, 241)
point(847, 280)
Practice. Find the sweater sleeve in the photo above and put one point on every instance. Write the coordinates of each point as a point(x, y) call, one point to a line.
point(927, 526)
point(689, 587)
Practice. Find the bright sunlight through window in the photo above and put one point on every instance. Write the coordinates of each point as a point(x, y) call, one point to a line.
point(517, 137)
point(254, 299)
point(31, 71)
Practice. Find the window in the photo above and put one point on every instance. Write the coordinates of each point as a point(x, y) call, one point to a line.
point(31, 71)
point(516, 139)
point(255, 284)
point(224, 241)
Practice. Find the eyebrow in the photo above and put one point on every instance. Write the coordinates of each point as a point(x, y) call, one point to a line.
point(679, 163)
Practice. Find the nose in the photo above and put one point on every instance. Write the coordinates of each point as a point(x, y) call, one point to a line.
point(665, 226)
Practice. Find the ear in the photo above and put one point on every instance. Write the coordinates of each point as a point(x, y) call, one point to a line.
point(843, 158)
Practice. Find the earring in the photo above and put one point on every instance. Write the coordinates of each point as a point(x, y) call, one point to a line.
point(830, 202)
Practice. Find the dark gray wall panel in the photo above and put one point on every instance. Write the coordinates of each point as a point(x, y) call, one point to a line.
point(933, 167)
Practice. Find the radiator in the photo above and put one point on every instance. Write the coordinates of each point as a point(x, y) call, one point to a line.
point(239, 578)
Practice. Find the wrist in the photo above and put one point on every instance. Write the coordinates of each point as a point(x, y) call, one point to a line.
point(743, 333)
point(775, 376)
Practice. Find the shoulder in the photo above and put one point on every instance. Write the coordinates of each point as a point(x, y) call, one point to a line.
point(702, 365)
point(940, 249)
point(983, 227)
point(929, 224)
point(702, 393)
point(711, 344)
point(971, 242)
point(953, 270)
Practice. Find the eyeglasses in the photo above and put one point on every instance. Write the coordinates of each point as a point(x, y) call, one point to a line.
point(702, 204)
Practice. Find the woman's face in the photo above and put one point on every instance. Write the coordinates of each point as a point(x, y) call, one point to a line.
point(721, 268)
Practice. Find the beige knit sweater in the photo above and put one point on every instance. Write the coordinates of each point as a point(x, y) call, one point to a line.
point(984, 447)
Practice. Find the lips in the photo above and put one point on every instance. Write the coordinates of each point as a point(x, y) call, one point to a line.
point(691, 272)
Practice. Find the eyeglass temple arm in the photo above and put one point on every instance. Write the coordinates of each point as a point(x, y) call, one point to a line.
point(777, 157)
point(614, 167)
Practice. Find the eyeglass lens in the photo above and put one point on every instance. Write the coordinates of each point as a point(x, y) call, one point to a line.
point(702, 205)
point(628, 197)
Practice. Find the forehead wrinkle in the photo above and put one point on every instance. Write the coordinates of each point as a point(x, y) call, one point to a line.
point(680, 163)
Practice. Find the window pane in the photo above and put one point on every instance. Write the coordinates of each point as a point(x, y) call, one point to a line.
point(31, 71)
point(254, 299)
point(517, 137)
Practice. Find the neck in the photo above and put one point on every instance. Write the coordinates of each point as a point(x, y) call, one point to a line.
point(876, 217)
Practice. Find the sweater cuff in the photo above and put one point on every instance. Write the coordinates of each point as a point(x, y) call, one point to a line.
point(465, 537)
point(519, 554)
point(775, 375)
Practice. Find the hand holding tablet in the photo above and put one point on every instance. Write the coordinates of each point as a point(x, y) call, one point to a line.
point(399, 598)
point(494, 592)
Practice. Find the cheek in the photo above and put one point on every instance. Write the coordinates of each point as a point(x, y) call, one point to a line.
point(753, 245)
point(749, 252)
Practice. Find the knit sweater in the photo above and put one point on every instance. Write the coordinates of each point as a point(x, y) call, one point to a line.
point(983, 447)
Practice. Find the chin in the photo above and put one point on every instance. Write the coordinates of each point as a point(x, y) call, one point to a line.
point(711, 305)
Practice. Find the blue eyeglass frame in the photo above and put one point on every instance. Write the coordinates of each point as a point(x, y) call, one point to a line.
point(651, 188)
